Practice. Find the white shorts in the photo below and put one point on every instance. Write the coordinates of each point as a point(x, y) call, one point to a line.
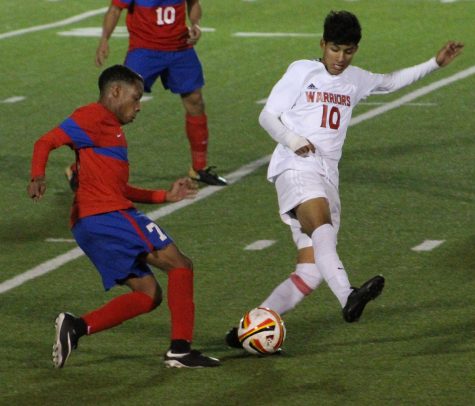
point(297, 186)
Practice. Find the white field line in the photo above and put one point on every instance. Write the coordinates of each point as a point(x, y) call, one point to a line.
point(62, 23)
point(274, 34)
point(60, 240)
point(259, 245)
point(13, 99)
point(427, 245)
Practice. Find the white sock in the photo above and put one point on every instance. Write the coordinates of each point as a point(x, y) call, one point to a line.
point(290, 292)
point(329, 264)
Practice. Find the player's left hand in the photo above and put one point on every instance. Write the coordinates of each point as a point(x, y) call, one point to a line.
point(194, 34)
point(183, 188)
point(449, 52)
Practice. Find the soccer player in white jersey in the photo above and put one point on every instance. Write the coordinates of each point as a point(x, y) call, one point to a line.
point(307, 114)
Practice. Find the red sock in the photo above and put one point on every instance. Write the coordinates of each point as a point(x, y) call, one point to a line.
point(197, 133)
point(118, 310)
point(180, 303)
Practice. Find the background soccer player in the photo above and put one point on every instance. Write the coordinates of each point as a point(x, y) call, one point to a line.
point(161, 45)
point(307, 114)
point(118, 239)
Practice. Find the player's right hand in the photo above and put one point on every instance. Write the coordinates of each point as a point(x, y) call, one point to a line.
point(36, 188)
point(306, 149)
point(102, 52)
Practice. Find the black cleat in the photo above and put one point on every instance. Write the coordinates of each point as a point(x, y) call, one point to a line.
point(67, 338)
point(192, 359)
point(72, 176)
point(232, 339)
point(358, 299)
point(208, 176)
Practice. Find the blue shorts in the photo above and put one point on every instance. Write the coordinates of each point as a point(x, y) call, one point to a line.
point(180, 71)
point(115, 241)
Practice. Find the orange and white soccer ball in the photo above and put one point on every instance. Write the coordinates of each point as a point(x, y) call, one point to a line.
point(261, 331)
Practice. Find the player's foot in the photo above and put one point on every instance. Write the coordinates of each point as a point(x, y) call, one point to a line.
point(358, 299)
point(208, 176)
point(72, 176)
point(232, 339)
point(192, 359)
point(67, 337)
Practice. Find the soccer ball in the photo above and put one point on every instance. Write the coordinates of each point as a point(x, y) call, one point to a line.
point(261, 331)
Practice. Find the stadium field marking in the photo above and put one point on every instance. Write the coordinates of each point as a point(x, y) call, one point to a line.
point(13, 99)
point(407, 104)
point(274, 34)
point(427, 245)
point(61, 23)
point(259, 245)
point(60, 240)
point(60, 260)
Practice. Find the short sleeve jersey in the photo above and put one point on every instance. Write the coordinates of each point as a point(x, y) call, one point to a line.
point(318, 106)
point(95, 134)
point(156, 24)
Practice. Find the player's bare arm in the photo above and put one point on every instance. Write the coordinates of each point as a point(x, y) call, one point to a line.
point(449, 52)
point(111, 19)
point(183, 188)
point(194, 15)
point(36, 188)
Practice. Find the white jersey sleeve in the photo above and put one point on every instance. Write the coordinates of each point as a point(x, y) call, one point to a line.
point(376, 83)
point(286, 91)
point(279, 132)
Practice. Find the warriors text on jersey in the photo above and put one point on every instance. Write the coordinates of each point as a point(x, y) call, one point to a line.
point(156, 24)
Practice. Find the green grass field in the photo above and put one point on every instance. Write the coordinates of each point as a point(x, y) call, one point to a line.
point(406, 176)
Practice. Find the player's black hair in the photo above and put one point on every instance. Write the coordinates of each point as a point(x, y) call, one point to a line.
point(118, 73)
point(342, 28)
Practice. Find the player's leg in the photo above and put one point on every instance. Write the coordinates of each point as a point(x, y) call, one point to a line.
point(300, 283)
point(288, 294)
point(185, 77)
point(123, 236)
point(314, 217)
point(179, 269)
point(313, 199)
point(146, 295)
point(196, 125)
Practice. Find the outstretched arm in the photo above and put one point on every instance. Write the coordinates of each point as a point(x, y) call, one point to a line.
point(111, 19)
point(183, 188)
point(396, 80)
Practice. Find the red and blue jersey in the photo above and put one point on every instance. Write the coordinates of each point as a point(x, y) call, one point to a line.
point(96, 136)
point(156, 24)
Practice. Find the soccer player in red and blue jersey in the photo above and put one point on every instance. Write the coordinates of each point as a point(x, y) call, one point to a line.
point(161, 45)
point(119, 240)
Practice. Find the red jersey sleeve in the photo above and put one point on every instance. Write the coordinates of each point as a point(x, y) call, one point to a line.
point(122, 3)
point(139, 195)
point(51, 140)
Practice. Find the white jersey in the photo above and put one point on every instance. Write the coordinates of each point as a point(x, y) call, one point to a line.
point(318, 106)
